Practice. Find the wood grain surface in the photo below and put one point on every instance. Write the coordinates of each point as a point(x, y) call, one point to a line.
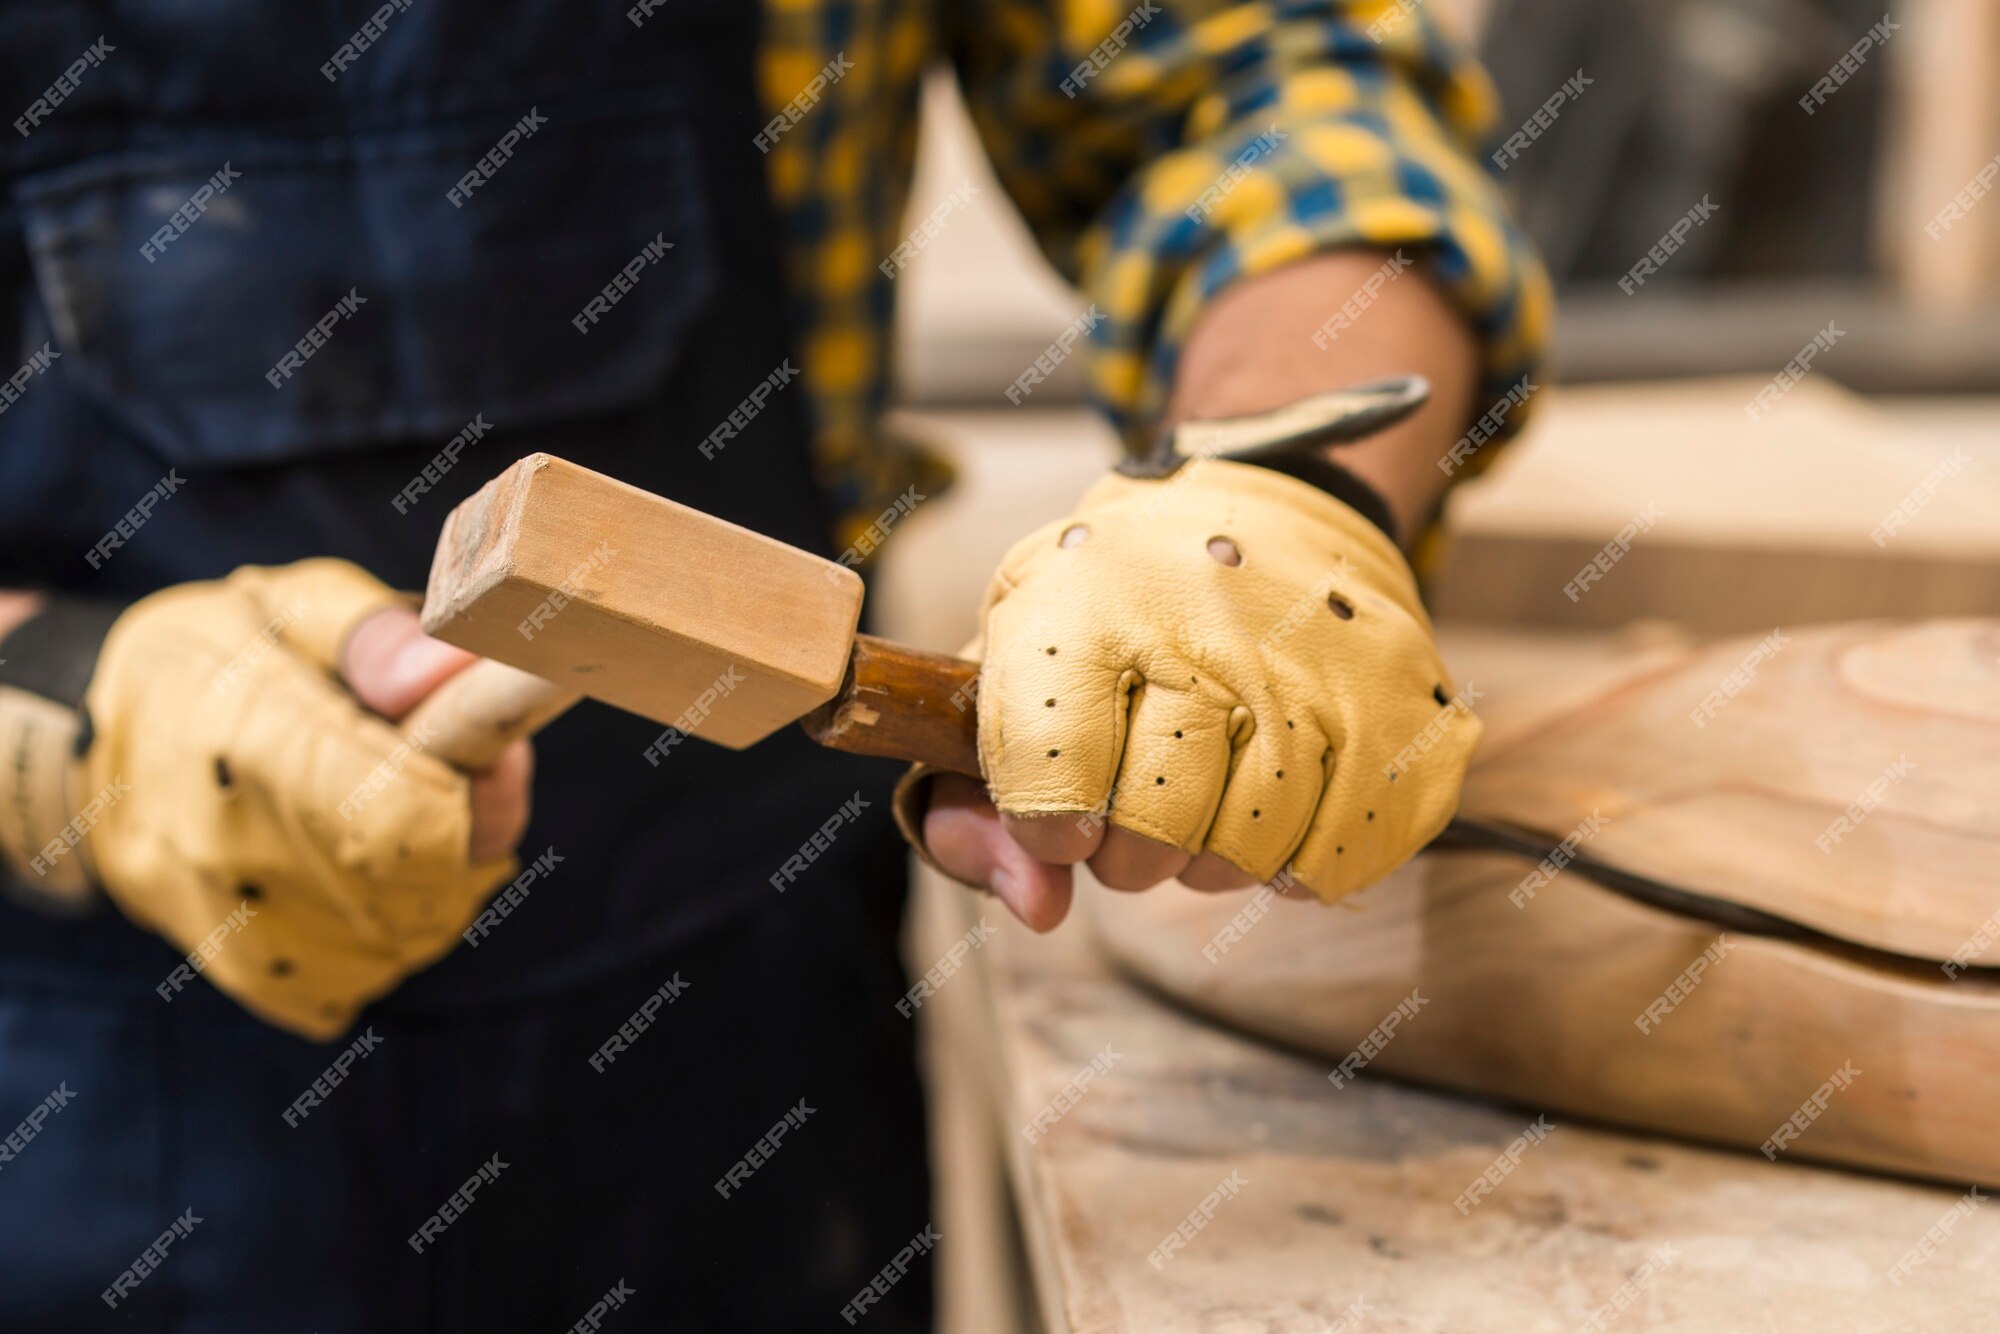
point(1554, 991)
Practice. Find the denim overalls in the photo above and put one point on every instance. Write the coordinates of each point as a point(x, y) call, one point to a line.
point(283, 257)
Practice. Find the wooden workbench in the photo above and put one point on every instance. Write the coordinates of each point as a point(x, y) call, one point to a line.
point(1347, 1195)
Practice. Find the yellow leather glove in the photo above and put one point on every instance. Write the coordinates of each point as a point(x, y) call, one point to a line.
point(1241, 657)
point(251, 811)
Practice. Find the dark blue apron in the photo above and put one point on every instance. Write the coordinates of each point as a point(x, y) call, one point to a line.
point(403, 248)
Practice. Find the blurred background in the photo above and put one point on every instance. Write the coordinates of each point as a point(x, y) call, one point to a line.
point(1689, 99)
point(1769, 520)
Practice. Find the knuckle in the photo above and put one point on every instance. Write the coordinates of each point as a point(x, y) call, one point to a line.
point(1124, 877)
point(1145, 833)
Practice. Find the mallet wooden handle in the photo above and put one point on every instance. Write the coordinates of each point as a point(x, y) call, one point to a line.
point(476, 714)
point(896, 702)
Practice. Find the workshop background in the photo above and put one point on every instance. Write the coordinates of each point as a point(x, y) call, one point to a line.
point(1865, 213)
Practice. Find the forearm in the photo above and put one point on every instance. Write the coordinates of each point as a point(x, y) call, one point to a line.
point(1253, 348)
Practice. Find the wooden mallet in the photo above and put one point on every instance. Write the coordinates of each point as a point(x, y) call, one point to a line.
point(572, 583)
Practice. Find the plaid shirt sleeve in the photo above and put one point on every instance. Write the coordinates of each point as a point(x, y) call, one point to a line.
point(1163, 151)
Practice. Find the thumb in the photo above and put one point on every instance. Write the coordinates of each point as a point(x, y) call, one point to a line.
point(391, 664)
point(968, 842)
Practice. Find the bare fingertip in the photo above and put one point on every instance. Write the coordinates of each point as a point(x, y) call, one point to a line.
point(1061, 838)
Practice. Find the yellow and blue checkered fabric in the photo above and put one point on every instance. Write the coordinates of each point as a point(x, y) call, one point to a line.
point(1106, 122)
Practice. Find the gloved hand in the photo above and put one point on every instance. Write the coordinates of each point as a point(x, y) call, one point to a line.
point(258, 815)
point(1237, 665)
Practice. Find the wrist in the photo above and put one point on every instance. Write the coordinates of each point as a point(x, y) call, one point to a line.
point(50, 649)
point(1349, 489)
point(1253, 348)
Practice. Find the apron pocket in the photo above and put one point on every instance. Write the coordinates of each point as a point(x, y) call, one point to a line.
point(239, 300)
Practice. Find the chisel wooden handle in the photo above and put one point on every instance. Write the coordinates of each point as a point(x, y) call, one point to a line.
point(897, 702)
point(905, 704)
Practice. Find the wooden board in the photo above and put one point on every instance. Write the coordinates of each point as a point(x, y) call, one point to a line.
point(1759, 523)
point(1550, 996)
point(1846, 777)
